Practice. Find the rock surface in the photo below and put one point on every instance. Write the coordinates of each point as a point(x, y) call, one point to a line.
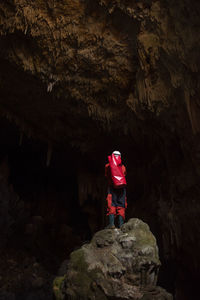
point(116, 264)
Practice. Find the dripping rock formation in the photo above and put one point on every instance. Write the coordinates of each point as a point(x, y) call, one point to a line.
point(116, 264)
point(98, 61)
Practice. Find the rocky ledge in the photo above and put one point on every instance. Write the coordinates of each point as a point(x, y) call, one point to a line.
point(116, 264)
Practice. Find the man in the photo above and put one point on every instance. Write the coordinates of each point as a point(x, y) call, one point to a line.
point(116, 198)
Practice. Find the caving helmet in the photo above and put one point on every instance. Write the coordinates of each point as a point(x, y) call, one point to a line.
point(116, 153)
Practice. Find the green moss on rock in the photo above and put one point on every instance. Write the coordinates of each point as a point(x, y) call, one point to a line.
point(116, 264)
point(58, 284)
point(77, 260)
point(81, 278)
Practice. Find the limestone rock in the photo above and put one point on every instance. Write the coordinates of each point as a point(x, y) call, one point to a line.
point(116, 264)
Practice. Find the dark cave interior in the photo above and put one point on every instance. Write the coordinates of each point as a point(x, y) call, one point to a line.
point(74, 86)
point(64, 203)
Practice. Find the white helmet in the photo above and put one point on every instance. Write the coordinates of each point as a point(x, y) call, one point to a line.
point(116, 153)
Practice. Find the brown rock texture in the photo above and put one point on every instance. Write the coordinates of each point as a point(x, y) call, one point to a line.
point(97, 60)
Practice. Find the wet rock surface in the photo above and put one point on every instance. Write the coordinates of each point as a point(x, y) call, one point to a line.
point(116, 264)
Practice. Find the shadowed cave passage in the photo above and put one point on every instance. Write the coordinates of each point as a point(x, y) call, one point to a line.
point(49, 192)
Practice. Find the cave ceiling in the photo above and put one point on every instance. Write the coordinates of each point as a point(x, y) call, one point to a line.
point(74, 70)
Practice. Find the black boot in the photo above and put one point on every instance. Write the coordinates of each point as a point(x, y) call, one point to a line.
point(120, 221)
point(111, 222)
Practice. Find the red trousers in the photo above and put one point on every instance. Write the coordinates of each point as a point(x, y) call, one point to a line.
point(116, 202)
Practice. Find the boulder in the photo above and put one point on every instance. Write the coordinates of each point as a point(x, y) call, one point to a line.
point(116, 264)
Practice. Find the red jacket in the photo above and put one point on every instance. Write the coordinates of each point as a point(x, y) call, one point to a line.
point(108, 173)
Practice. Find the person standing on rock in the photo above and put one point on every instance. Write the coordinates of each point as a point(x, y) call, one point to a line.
point(115, 173)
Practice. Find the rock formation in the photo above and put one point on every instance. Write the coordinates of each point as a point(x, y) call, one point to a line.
point(116, 264)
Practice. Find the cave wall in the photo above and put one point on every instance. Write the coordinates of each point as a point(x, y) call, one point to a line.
point(87, 77)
